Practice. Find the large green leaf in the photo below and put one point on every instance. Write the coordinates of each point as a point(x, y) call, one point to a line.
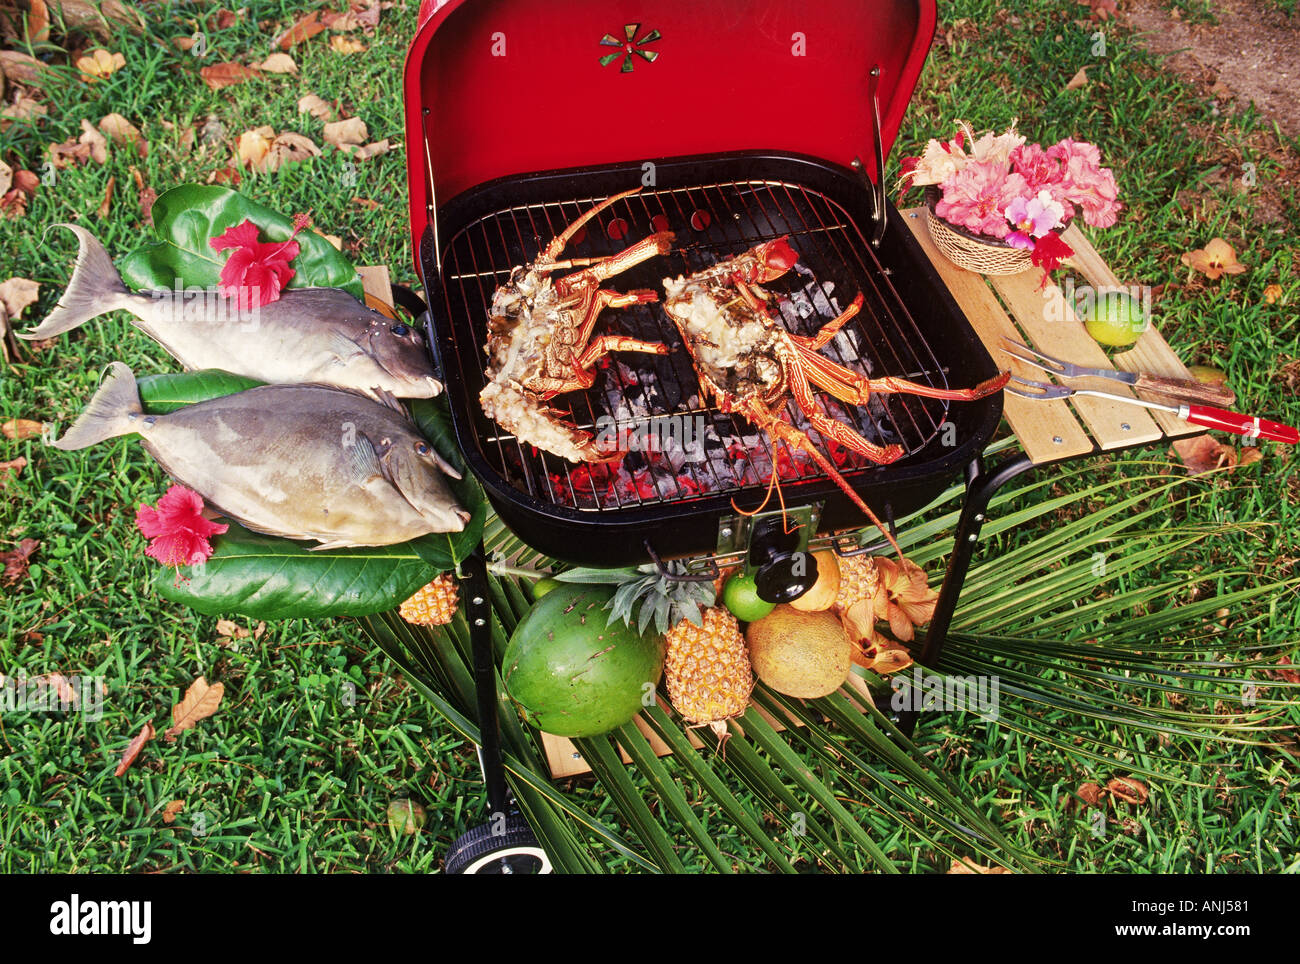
point(266, 577)
point(186, 218)
point(168, 392)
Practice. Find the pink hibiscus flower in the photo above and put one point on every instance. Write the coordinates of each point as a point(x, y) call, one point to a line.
point(177, 531)
point(257, 270)
point(976, 197)
point(1094, 190)
point(1039, 169)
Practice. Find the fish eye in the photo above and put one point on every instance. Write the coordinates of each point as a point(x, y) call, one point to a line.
point(422, 448)
point(400, 330)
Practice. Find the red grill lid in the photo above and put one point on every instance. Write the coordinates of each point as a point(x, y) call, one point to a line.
point(500, 87)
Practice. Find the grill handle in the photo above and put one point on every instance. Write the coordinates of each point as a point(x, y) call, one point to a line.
point(878, 213)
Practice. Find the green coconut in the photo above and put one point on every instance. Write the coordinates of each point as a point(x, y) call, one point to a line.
point(571, 673)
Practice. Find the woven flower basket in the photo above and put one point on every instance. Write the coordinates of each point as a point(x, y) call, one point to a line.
point(966, 249)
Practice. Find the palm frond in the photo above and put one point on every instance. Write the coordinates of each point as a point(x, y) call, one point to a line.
point(841, 788)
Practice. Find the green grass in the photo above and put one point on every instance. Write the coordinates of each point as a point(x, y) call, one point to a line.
point(317, 732)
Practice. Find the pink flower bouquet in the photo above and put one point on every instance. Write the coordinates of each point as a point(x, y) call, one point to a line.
point(1013, 193)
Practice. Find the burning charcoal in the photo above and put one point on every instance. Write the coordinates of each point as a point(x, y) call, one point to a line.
point(634, 461)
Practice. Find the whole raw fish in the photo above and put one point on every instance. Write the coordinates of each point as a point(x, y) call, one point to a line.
point(317, 335)
point(300, 461)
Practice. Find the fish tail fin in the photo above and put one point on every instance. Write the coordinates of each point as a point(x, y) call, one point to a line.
point(110, 413)
point(95, 288)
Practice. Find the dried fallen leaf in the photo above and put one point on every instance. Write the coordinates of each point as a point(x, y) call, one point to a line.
point(24, 108)
point(1078, 80)
point(303, 29)
point(370, 150)
point(223, 19)
point(99, 64)
point(1215, 259)
point(364, 202)
point(22, 68)
point(200, 702)
point(16, 294)
point(1249, 455)
point(69, 154)
point(289, 147)
point(133, 749)
point(119, 130)
point(1090, 793)
point(253, 147)
point(968, 866)
point(106, 205)
point(217, 76)
point(318, 108)
point(21, 428)
point(1285, 673)
point(1129, 790)
point(6, 177)
point(146, 194)
point(170, 811)
point(16, 561)
point(369, 17)
point(1204, 453)
point(38, 21)
point(227, 627)
point(226, 175)
point(94, 141)
point(279, 64)
point(346, 45)
point(1272, 293)
point(1100, 9)
point(346, 132)
point(335, 240)
point(185, 43)
point(12, 467)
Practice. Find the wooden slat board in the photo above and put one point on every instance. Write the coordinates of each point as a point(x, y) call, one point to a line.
point(1151, 353)
point(1047, 322)
point(1049, 325)
point(376, 282)
point(1048, 430)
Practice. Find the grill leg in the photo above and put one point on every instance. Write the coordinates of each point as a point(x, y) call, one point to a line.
point(478, 611)
point(980, 488)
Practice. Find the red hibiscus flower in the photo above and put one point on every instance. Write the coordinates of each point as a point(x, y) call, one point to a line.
point(177, 532)
point(257, 270)
point(1049, 252)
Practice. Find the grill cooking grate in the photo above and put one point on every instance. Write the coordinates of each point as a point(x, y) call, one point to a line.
point(633, 392)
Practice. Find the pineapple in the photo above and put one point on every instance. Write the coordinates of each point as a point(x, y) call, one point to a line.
point(707, 670)
point(434, 605)
point(706, 665)
point(859, 579)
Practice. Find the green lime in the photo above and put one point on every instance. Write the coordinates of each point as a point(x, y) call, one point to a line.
point(544, 585)
point(1115, 319)
point(740, 596)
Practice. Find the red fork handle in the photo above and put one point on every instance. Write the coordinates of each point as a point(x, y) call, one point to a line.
point(1241, 424)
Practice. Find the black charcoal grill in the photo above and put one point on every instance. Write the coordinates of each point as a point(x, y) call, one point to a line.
point(741, 122)
point(718, 206)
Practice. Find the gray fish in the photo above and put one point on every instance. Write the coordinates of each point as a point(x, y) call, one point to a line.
point(299, 461)
point(318, 335)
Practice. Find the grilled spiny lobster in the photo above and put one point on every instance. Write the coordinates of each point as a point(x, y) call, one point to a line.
point(539, 338)
point(749, 364)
